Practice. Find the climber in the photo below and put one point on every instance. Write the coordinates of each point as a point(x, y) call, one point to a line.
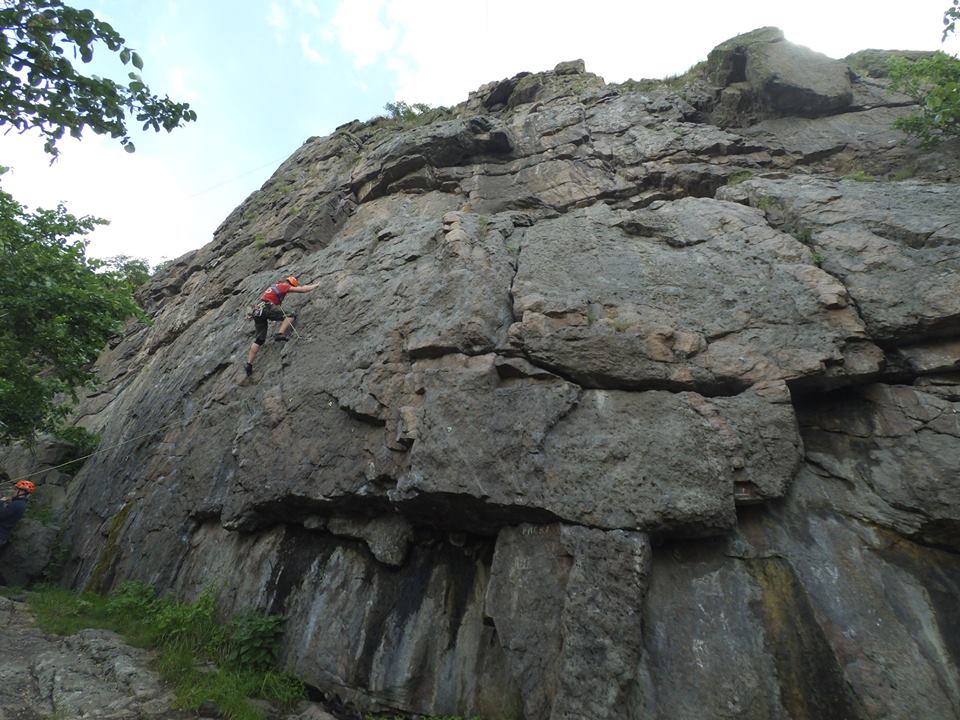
point(268, 308)
point(12, 509)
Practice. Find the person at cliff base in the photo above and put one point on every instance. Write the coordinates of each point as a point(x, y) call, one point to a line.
point(268, 308)
point(13, 508)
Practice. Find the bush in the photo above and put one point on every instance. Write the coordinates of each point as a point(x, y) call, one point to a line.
point(934, 83)
point(404, 115)
point(252, 640)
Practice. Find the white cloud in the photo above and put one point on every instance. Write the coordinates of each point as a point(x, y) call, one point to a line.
point(307, 6)
point(150, 213)
point(277, 19)
point(362, 32)
point(179, 83)
point(439, 51)
point(309, 52)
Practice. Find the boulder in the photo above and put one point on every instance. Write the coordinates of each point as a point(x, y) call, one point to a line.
point(783, 78)
point(32, 548)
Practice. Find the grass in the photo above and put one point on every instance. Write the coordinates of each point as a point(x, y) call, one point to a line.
point(204, 658)
point(904, 173)
point(859, 176)
point(672, 82)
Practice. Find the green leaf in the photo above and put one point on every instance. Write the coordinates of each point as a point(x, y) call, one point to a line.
point(40, 87)
point(58, 312)
point(129, 147)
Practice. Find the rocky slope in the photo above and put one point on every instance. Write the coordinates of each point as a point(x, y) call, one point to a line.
point(615, 401)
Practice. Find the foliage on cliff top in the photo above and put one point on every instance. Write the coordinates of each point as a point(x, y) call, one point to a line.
point(934, 82)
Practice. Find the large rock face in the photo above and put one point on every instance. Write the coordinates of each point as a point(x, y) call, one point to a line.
point(601, 410)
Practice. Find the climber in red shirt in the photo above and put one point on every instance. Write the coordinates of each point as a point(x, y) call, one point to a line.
point(268, 308)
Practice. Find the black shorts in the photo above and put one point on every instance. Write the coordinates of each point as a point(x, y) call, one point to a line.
point(269, 312)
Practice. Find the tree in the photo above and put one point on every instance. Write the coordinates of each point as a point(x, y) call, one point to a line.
point(58, 308)
point(41, 89)
point(132, 272)
point(934, 83)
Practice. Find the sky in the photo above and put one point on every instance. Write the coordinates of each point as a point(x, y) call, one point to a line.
point(265, 75)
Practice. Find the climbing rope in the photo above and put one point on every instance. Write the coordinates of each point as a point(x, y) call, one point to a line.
point(12, 483)
point(293, 323)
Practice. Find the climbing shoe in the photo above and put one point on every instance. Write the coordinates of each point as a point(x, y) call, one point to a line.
point(280, 338)
point(248, 369)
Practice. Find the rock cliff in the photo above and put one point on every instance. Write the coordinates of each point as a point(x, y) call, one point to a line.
point(614, 401)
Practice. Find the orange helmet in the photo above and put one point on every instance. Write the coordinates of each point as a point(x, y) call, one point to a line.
point(25, 485)
point(293, 281)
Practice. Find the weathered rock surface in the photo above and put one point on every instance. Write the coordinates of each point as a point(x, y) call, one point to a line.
point(892, 245)
point(783, 79)
point(567, 603)
point(606, 299)
point(29, 552)
point(910, 484)
point(615, 401)
point(92, 674)
point(805, 612)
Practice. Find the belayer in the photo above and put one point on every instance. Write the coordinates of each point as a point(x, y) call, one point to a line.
point(12, 509)
point(268, 308)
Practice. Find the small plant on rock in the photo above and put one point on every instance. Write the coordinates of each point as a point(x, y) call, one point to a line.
point(904, 173)
point(859, 176)
point(739, 177)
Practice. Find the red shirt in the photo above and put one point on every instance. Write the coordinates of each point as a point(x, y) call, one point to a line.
point(276, 293)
